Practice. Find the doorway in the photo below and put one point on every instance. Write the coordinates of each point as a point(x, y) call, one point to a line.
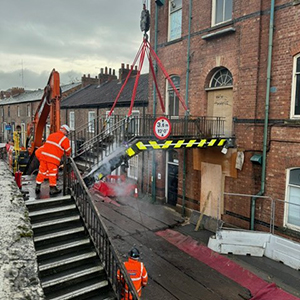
point(212, 180)
point(172, 179)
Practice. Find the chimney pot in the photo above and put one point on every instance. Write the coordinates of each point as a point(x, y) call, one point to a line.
point(101, 70)
point(89, 75)
point(135, 68)
point(109, 71)
point(105, 70)
point(122, 66)
point(127, 66)
point(114, 72)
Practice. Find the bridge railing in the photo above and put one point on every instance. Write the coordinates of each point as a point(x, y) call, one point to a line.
point(99, 135)
point(74, 185)
point(182, 127)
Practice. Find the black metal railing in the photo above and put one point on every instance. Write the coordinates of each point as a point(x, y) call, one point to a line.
point(95, 140)
point(98, 232)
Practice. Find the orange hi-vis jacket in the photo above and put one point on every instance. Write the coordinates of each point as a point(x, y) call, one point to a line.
point(55, 146)
point(138, 274)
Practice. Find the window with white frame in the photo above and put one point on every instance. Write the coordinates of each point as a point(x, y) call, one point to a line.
point(173, 100)
point(91, 120)
point(111, 121)
point(292, 208)
point(28, 110)
point(5, 132)
point(133, 168)
point(18, 108)
point(295, 107)
point(72, 120)
point(222, 11)
point(221, 78)
point(23, 135)
point(134, 124)
point(47, 131)
point(175, 19)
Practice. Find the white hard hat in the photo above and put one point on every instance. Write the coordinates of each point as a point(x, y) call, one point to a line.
point(65, 127)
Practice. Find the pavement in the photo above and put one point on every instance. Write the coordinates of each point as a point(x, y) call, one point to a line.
point(174, 271)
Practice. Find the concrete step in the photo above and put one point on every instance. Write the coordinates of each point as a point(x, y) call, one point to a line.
point(55, 222)
point(47, 200)
point(72, 276)
point(63, 247)
point(66, 261)
point(58, 234)
point(51, 210)
point(81, 291)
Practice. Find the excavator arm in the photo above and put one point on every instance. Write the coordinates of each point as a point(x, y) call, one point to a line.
point(49, 104)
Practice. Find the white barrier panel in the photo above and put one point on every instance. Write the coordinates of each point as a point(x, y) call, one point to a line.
point(243, 242)
point(284, 250)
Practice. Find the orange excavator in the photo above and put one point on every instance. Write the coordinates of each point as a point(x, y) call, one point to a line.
point(25, 160)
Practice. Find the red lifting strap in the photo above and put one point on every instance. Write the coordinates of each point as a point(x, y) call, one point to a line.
point(155, 82)
point(144, 49)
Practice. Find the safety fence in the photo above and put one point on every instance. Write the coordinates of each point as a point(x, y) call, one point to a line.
point(269, 212)
point(75, 186)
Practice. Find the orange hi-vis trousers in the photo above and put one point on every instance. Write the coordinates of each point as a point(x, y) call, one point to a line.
point(47, 170)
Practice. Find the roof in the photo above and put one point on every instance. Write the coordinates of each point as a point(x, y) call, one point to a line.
point(105, 94)
point(31, 96)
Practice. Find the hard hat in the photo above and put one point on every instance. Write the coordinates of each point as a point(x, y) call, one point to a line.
point(65, 127)
point(134, 253)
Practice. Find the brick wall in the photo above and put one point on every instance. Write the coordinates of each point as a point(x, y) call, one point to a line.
point(244, 53)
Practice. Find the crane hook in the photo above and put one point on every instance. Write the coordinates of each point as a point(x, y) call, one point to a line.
point(145, 21)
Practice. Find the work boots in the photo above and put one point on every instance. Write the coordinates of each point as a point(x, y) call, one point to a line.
point(54, 190)
point(38, 188)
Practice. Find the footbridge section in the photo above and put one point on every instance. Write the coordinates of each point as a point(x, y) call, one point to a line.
point(116, 141)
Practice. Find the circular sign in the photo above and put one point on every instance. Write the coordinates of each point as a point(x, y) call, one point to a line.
point(162, 128)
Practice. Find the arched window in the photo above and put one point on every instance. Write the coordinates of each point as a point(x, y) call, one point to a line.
point(173, 101)
point(221, 78)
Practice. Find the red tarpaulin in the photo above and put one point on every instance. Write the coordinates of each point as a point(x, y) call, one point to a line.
point(260, 289)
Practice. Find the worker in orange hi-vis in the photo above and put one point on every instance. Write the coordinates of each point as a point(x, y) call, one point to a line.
point(137, 272)
point(50, 155)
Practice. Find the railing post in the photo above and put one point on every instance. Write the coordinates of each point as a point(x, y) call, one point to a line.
point(64, 175)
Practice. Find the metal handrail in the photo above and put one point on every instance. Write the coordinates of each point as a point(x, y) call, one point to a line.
point(97, 230)
point(272, 206)
point(108, 131)
point(103, 139)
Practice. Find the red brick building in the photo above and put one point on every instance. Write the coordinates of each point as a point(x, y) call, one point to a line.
point(233, 59)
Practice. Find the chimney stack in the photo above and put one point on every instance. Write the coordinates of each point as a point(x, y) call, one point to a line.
point(124, 72)
point(107, 76)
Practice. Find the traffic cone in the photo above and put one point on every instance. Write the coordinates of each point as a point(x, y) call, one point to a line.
point(136, 195)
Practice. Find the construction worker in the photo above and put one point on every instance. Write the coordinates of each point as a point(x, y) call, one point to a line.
point(50, 155)
point(137, 272)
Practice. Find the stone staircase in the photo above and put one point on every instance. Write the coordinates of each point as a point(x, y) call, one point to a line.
point(69, 266)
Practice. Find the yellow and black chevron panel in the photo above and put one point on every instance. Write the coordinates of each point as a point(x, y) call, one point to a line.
point(174, 144)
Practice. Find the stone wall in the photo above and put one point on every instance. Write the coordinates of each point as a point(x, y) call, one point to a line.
point(18, 265)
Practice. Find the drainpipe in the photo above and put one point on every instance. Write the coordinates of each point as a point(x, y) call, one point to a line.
point(267, 105)
point(153, 188)
point(186, 103)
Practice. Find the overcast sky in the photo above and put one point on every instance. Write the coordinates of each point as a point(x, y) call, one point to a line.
point(75, 37)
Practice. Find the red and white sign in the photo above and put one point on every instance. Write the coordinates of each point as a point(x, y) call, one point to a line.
point(162, 128)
